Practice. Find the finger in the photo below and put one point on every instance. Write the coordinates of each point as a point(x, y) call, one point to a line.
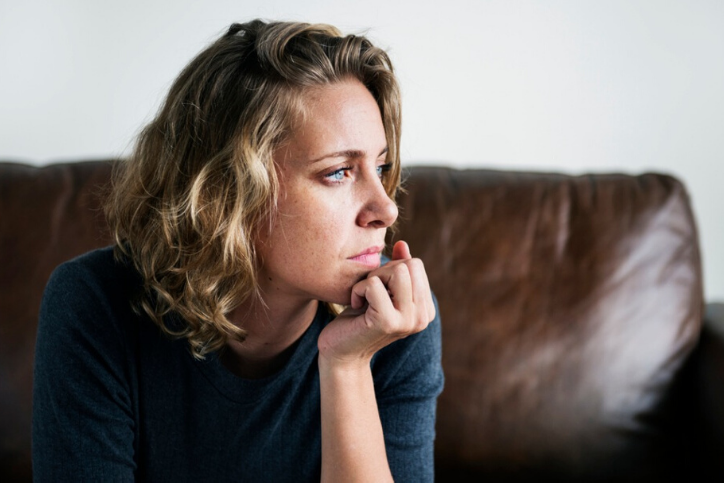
point(358, 294)
point(401, 251)
point(350, 311)
point(399, 286)
point(385, 271)
point(364, 289)
point(379, 303)
point(421, 293)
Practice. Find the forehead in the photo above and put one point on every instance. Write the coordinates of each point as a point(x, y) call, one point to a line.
point(337, 117)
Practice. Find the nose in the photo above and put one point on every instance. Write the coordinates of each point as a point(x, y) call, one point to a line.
point(378, 210)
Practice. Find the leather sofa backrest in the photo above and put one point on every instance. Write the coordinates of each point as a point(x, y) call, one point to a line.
point(47, 215)
point(569, 304)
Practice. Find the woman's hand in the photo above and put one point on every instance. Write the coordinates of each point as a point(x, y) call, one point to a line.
point(394, 301)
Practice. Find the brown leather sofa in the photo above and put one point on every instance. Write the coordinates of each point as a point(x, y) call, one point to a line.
point(576, 345)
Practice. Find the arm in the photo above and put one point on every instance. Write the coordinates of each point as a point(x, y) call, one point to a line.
point(391, 304)
point(82, 412)
point(353, 446)
point(408, 380)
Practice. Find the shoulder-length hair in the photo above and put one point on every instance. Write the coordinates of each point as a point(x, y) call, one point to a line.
point(187, 205)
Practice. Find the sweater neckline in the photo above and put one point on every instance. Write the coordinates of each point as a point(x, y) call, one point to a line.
point(248, 391)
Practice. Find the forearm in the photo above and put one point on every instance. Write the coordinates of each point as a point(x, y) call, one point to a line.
point(353, 446)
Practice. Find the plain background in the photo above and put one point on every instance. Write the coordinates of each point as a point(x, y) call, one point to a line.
point(564, 85)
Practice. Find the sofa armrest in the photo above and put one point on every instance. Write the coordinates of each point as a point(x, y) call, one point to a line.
point(710, 385)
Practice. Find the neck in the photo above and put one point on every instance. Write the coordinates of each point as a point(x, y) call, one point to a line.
point(272, 331)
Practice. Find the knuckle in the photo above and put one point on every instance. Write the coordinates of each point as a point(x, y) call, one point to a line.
point(375, 281)
point(417, 269)
point(392, 329)
point(412, 325)
point(400, 269)
point(416, 265)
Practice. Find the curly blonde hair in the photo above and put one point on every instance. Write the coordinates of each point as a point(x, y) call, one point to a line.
point(187, 205)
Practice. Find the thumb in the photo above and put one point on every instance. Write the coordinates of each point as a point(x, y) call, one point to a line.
point(401, 251)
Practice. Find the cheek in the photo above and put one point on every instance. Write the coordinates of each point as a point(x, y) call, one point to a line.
point(306, 232)
point(319, 214)
point(322, 228)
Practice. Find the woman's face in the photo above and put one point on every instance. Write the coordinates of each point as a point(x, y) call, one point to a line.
point(333, 210)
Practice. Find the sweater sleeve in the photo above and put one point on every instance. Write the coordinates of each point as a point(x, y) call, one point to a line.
point(408, 379)
point(83, 424)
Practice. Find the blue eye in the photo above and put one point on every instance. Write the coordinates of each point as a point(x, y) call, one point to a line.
point(382, 169)
point(337, 175)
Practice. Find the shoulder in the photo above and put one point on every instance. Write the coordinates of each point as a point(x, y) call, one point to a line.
point(95, 275)
point(88, 296)
point(95, 267)
point(85, 365)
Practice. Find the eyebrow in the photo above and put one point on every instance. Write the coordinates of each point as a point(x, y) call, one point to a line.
point(348, 153)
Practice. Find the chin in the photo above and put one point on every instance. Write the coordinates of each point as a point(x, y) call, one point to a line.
point(339, 295)
point(339, 291)
point(340, 299)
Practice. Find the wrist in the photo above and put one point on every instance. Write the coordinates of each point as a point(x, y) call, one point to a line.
point(331, 364)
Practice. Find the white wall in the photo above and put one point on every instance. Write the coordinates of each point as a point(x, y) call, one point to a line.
point(569, 86)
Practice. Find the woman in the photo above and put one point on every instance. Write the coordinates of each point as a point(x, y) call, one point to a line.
point(209, 347)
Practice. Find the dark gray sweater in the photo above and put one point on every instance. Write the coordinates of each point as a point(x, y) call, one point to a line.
point(115, 400)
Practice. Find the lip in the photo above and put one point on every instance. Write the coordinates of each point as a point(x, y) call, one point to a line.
point(370, 257)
